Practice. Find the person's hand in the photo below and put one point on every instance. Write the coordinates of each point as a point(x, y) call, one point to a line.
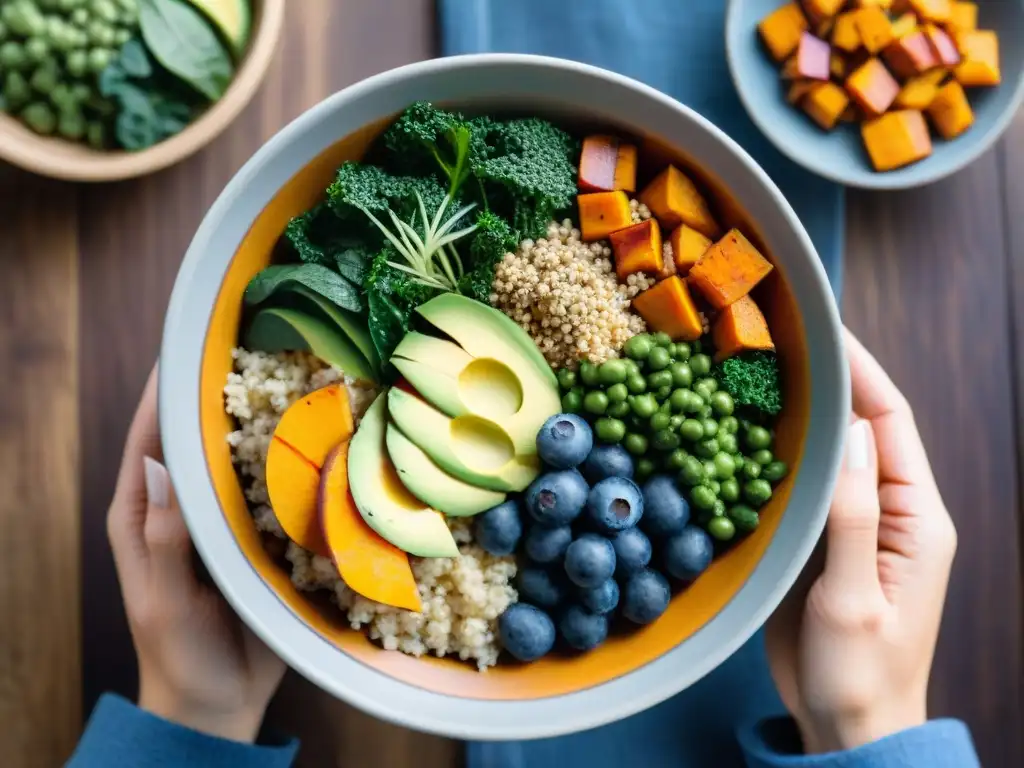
point(198, 664)
point(851, 657)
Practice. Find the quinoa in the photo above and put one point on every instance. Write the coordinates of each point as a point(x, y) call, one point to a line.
point(462, 596)
point(566, 295)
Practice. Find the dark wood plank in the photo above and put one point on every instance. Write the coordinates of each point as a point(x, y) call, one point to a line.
point(133, 236)
point(40, 665)
point(926, 290)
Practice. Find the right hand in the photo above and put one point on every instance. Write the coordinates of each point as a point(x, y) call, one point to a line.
point(852, 655)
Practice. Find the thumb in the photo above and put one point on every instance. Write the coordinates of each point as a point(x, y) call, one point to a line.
point(165, 534)
point(852, 529)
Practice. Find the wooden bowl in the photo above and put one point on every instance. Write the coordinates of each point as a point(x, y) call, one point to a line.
point(74, 161)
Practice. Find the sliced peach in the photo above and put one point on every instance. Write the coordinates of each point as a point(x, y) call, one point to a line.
point(317, 423)
point(367, 563)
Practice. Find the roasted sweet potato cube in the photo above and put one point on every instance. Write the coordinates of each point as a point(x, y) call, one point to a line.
point(602, 213)
point(825, 103)
point(810, 61)
point(781, 30)
point(606, 164)
point(980, 64)
point(837, 66)
point(740, 327)
point(688, 245)
point(872, 87)
point(963, 18)
point(669, 308)
point(896, 139)
point(819, 10)
point(918, 92)
point(637, 249)
point(798, 89)
point(904, 25)
point(942, 44)
point(932, 10)
point(845, 36)
point(910, 55)
point(885, 5)
point(950, 112)
point(874, 28)
point(729, 270)
point(675, 200)
point(824, 28)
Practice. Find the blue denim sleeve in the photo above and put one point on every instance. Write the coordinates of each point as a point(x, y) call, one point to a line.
point(936, 744)
point(120, 735)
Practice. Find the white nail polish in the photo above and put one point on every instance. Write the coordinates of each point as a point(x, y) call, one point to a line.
point(158, 483)
point(858, 446)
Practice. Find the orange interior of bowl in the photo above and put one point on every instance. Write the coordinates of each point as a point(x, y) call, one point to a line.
point(556, 675)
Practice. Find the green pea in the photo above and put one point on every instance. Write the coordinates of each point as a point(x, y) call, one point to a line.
point(17, 91)
point(40, 117)
point(729, 424)
point(775, 471)
point(662, 339)
point(757, 492)
point(682, 376)
point(36, 50)
point(588, 374)
point(692, 471)
point(71, 124)
point(665, 440)
point(658, 359)
point(62, 98)
point(105, 10)
point(662, 393)
point(612, 372)
point(609, 430)
point(702, 497)
point(677, 459)
point(618, 410)
point(706, 448)
point(635, 443)
point(77, 63)
point(121, 36)
point(737, 458)
point(682, 351)
point(617, 393)
point(758, 437)
point(12, 56)
point(730, 491)
point(572, 402)
point(595, 402)
point(745, 519)
point(636, 383)
point(705, 411)
point(96, 135)
point(693, 402)
point(710, 427)
point(79, 17)
point(751, 469)
point(659, 421)
point(700, 365)
point(659, 379)
point(644, 469)
point(722, 403)
point(99, 58)
point(644, 406)
point(639, 347)
point(724, 465)
point(719, 509)
point(726, 441)
point(722, 528)
point(763, 457)
point(25, 19)
point(714, 485)
point(710, 382)
point(631, 367)
point(710, 471)
point(691, 430)
point(675, 422)
point(703, 389)
point(566, 377)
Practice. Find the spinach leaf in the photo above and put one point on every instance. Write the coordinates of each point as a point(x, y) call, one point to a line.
point(183, 42)
point(316, 277)
point(352, 264)
point(387, 324)
point(134, 60)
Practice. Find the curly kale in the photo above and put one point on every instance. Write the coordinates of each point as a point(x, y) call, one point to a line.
point(318, 236)
point(491, 241)
point(360, 187)
point(753, 381)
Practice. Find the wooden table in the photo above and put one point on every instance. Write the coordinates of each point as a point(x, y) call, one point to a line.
point(934, 286)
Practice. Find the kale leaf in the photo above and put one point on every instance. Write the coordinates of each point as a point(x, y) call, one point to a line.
point(491, 241)
point(753, 381)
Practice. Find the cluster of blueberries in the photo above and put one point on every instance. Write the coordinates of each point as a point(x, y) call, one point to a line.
point(586, 530)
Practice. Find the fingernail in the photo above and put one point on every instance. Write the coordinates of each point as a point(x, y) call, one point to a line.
point(858, 446)
point(158, 483)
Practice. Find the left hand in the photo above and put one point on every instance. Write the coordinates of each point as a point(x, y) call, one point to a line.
point(199, 666)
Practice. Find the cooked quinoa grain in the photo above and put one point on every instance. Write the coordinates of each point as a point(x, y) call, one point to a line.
point(565, 294)
point(638, 211)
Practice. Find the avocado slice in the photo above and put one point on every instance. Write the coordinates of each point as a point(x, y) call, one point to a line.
point(473, 449)
point(384, 503)
point(277, 329)
point(432, 485)
point(351, 324)
point(232, 17)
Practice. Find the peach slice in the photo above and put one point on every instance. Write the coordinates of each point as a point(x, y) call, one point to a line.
point(306, 434)
point(368, 564)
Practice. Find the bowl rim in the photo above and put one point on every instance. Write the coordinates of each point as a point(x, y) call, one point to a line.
point(29, 151)
point(871, 179)
point(363, 686)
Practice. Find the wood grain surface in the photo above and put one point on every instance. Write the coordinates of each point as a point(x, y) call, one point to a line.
point(934, 286)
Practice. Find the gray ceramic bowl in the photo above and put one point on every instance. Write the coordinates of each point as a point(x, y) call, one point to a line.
point(839, 155)
point(559, 694)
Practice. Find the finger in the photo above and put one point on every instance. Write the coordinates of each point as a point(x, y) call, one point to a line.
point(851, 561)
point(167, 540)
point(901, 455)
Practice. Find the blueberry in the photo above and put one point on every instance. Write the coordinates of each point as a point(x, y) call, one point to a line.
point(541, 587)
point(499, 529)
point(556, 498)
point(589, 560)
point(526, 632)
point(632, 551)
point(614, 504)
point(688, 554)
point(665, 510)
point(582, 629)
point(601, 599)
point(607, 461)
point(547, 545)
point(645, 596)
point(564, 441)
